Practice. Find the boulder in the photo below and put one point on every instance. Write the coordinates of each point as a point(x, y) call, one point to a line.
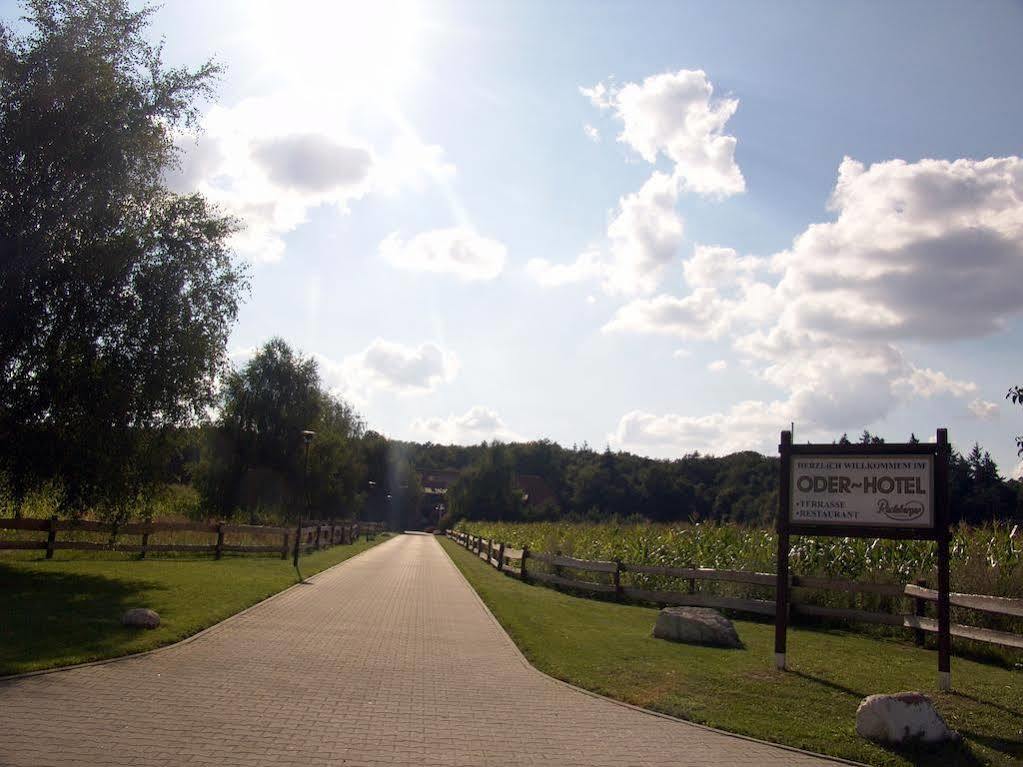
point(141, 618)
point(904, 718)
point(696, 625)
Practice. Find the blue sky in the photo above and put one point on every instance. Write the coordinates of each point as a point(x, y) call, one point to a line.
point(661, 226)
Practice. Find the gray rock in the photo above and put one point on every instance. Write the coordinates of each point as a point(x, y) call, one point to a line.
point(901, 719)
point(696, 625)
point(141, 617)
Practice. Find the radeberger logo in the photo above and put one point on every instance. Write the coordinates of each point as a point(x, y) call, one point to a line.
point(901, 512)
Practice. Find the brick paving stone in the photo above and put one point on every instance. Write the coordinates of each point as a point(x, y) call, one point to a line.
point(388, 658)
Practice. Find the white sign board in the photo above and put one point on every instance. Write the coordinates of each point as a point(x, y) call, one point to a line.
point(875, 490)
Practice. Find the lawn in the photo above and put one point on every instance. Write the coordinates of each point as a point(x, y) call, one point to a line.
point(67, 610)
point(608, 648)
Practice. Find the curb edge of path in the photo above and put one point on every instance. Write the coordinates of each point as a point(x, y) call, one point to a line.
point(525, 661)
point(201, 633)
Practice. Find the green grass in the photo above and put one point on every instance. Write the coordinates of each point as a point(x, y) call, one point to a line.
point(67, 610)
point(608, 648)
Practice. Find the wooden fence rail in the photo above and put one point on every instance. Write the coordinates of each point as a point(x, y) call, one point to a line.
point(313, 535)
point(514, 562)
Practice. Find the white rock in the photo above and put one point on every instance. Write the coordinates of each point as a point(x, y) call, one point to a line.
point(902, 718)
point(141, 617)
point(696, 625)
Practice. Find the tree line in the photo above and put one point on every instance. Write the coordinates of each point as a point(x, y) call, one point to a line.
point(599, 486)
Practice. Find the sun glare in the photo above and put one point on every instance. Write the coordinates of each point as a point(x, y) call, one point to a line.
point(369, 49)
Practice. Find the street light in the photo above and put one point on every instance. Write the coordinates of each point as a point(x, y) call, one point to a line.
point(307, 438)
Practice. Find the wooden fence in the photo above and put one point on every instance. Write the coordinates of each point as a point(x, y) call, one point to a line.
point(516, 562)
point(279, 540)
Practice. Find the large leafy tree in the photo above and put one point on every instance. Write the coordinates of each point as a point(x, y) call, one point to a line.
point(116, 295)
point(255, 459)
point(486, 490)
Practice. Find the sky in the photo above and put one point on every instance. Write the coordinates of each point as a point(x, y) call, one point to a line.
point(659, 227)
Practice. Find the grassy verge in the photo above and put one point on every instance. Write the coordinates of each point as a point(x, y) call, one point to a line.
point(608, 648)
point(63, 611)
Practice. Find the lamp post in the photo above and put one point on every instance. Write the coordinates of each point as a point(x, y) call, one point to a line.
point(307, 438)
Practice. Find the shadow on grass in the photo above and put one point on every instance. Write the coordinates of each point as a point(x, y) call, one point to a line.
point(829, 684)
point(1005, 709)
point(1010, 747)
point(55, 615)
point(950, 754)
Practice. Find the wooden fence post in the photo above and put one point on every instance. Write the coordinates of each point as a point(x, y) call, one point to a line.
point(783, 579)
point(692, 581)
point(51, 537)
point(919, 610)
point(618, 579)
point(285, 546)
point(500, 558)
point(316, 544)
point(490, 549)
point(145, 545)
point(219, 551)
point(944, 607)
point(522, 564)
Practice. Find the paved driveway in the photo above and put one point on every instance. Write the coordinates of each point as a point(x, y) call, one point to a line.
point(388, 658)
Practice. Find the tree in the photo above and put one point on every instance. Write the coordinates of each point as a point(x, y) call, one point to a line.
point(118, 296)
point(255, 455)
point(1016, 395)
point(486, 490)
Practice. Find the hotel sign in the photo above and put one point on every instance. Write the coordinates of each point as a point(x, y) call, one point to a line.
point(862, 490)
point(865, 491)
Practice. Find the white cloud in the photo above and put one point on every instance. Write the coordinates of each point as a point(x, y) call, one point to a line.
point(675, 114)
point(476, 425)
point(712, 266)
point(644, 236)
point(456, 250)
point(591, 133)
point(918, 252)
point(600, 95)
point(700, 315)
point(681, 354)
point(269, 161)
point(925, 382)
point(1017, 473)
point(381, 366)
point(587, 266)
point(983, 409)
point(726, 296)
point(749, 425)
point(718, 366)
point(927, 251)
point(389, 366)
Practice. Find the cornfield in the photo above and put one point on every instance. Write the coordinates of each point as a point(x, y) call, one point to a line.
point(984, 560)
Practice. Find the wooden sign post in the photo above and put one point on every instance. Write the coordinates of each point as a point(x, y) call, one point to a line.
point(865, 491)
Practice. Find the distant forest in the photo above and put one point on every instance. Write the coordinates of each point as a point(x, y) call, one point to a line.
point(597, 486)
